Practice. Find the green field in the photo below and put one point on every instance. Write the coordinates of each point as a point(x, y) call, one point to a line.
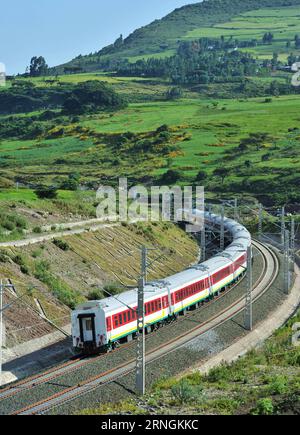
point(284, 23)
point(205, 131)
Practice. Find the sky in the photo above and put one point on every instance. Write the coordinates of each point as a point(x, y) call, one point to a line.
point(60, 30)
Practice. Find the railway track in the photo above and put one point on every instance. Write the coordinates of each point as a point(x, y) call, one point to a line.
point(77, 363)
point(268, 276)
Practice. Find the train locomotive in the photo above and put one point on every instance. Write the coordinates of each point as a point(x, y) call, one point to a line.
point(99, 326)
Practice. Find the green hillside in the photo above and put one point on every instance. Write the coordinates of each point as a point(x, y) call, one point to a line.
point(210, 18)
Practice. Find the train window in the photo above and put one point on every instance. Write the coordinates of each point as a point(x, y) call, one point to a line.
point(125, 317)
point(129, 315)
point(159, 304)
point(116, 322)
point(120, 319)
point(108, 324)
point(88, 324)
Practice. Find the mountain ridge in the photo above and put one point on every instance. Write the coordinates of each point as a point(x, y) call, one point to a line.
point(163, 34)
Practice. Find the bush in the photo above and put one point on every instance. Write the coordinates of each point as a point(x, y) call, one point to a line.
point(112, 289)
point(64, 294)
point(46, 192)
point(37, 230)
point(172, 176)
point(278, 385)
point(95, 295)
point(24, 269)
point(4, 257)
point(64, 246)
point(263, 407)
point(183, 392)
point(19, 260)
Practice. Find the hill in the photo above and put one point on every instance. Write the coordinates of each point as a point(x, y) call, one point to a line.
point(160, 38)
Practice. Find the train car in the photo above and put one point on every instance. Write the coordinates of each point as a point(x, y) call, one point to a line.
point(100, 325)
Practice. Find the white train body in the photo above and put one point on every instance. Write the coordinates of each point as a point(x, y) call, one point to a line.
point(98, 325)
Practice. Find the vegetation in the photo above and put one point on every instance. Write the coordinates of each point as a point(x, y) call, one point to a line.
point(160, 37)
point(24, 96)
point(264, 382)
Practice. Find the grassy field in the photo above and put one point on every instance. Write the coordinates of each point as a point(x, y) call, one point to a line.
point(204, 130)
point(284, 23)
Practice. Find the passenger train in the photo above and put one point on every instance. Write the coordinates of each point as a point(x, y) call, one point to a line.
point(101, 325)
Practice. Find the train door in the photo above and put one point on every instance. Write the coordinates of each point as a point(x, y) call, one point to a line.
point(87, 328)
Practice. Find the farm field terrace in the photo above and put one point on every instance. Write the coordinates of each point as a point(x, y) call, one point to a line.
point(203, 135)
point(284, 23)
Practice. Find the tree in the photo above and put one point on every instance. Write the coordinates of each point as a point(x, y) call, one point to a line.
point(172, 176)
point(174, 93)
point(72, 183)
point(201, 176)
point(45, 192)
point(221, 173)
point(268, 38)
point(72, 106)
point(38, 66)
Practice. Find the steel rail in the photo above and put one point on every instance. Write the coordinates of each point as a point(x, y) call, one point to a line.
point(70, 366)
point(271, 271)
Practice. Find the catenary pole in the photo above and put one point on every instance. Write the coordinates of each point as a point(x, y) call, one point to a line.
point(248, 308)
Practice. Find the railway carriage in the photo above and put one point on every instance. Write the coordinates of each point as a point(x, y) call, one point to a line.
point(99, 325)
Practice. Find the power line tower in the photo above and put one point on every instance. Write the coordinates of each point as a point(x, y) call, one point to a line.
point(236, 210)
point(140, 358)
point(293, 235)
point(282, 226)
point(286, 272)
point(222, 232)
point(260, 222)
point(141, 349)
point(203, 242)
point(249, 308)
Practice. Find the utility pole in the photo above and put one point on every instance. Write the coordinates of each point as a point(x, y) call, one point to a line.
point(144, 263)
point(1, 328)
point(248, 308)
point(282, 226)
point(286, 273)
point(140, 359)
point(203, 241)
point(236, 210)
point(293, 235)
point(260, 222)
point(222, 232)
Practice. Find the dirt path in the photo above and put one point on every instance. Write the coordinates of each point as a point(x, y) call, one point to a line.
point(66, 230)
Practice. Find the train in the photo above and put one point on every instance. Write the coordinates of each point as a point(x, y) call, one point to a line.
point(99, 326)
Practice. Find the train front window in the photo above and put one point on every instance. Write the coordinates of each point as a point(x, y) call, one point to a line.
point(88, 325)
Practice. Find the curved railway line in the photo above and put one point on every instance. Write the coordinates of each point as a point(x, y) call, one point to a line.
point(267, 277)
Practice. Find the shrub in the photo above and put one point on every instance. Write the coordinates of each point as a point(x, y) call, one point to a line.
point(112, 289)
point(64, 294)
point(46, 192)
point(278, 385)
point(24, 269)
point(18, 259)
point(37, 230)
point(8, 225)
point(95, 295)
point(64, 246)
point(183, 392)
point(172, 176)
point(263, 407)
point(3, 257)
